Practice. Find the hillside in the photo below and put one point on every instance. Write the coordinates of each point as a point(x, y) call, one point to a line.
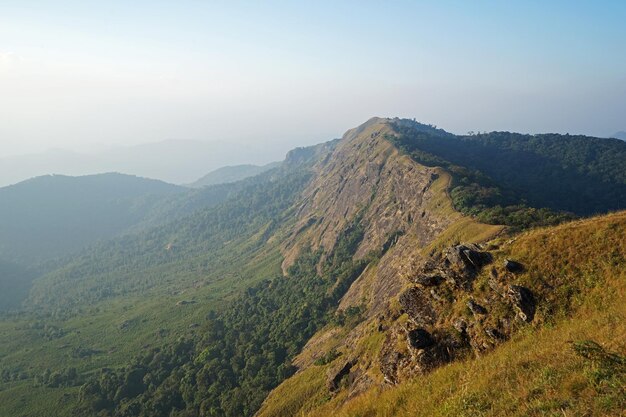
point(229, 174)
point(498, 175)
point(53, 215)
point(569, 360)
point(619, 135)
point(15, 283)
point(355, 267)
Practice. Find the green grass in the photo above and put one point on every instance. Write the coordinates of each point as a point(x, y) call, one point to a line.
point(152, 319)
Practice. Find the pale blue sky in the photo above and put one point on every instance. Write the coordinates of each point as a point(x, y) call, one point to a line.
point(79, 74)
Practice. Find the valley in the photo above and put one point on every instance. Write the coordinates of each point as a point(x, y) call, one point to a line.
point(355, 275)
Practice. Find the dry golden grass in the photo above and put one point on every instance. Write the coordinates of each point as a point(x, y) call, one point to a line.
point(579, 272)
point(464, 228)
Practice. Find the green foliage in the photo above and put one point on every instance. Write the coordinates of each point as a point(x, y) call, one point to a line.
point(51, 216)
point(15, 281)
point(231, 174)
point(67, 377)
point(190, 246)
point(523, 180)
point(243, 352)
point(142, 291)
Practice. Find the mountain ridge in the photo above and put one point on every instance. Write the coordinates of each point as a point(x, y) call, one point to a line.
point(323, 279)
point(232, 173)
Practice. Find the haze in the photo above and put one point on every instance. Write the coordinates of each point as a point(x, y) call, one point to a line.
point(97, 75)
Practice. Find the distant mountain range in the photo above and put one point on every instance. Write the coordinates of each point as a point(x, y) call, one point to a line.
point(173, 161)
point(228, 174)
point(52, 215)
point(361, 265)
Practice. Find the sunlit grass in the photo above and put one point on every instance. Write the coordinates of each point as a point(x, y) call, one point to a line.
point(538, 372)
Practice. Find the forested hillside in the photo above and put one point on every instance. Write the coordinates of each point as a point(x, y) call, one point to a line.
point(229, 174)
point(344, 271)
point(505, 177)
point(15, 283)
point(53, 215)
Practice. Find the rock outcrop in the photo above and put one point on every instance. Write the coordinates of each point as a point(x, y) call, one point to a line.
point(405, 297)
point(523, 300)
point(434, 331)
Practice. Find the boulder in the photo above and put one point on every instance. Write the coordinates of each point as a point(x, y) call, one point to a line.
point(419, 339)
point(513, 266)
point(460, 325)
point(389, 361)
point(428, 280)
point(494, 334)
point(467, 257)
point(461, 264)
point(427, 360)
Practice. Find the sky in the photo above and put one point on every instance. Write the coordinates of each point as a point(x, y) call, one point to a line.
point(87, 75)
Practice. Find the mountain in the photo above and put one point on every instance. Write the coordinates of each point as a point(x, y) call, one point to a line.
point(15, 283)
point(390, 264)
point(173, 161)
point(619, 135)
point(50, 216)
point(43, 221)
point(482, 353)
point(228, 174)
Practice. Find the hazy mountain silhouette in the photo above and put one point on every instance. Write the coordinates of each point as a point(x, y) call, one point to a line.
point(174, 161)
point(619, 135)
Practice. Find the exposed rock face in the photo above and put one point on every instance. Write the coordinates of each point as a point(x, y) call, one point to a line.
point(337, 374)
point(457, 265)
point(513, 266)
point(523, 300)
point(435, 335)
point(467, 258)
point(416, 303)
point(366, 175)
point(428, 280)
point(460, 325)
point(403, 210)
point(419, 338)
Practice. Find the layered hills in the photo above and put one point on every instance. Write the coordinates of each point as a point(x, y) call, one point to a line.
point(53, 215)
point(228, 174)
point(398, 257)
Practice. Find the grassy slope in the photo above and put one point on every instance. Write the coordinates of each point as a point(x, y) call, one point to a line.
point(538, 371)
point(152, 319)
point(307, 389)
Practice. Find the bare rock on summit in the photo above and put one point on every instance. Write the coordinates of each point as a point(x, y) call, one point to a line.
point(467, 257)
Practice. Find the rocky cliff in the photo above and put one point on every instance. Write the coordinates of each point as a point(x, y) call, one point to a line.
point(407, 219)
point(444, 287)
